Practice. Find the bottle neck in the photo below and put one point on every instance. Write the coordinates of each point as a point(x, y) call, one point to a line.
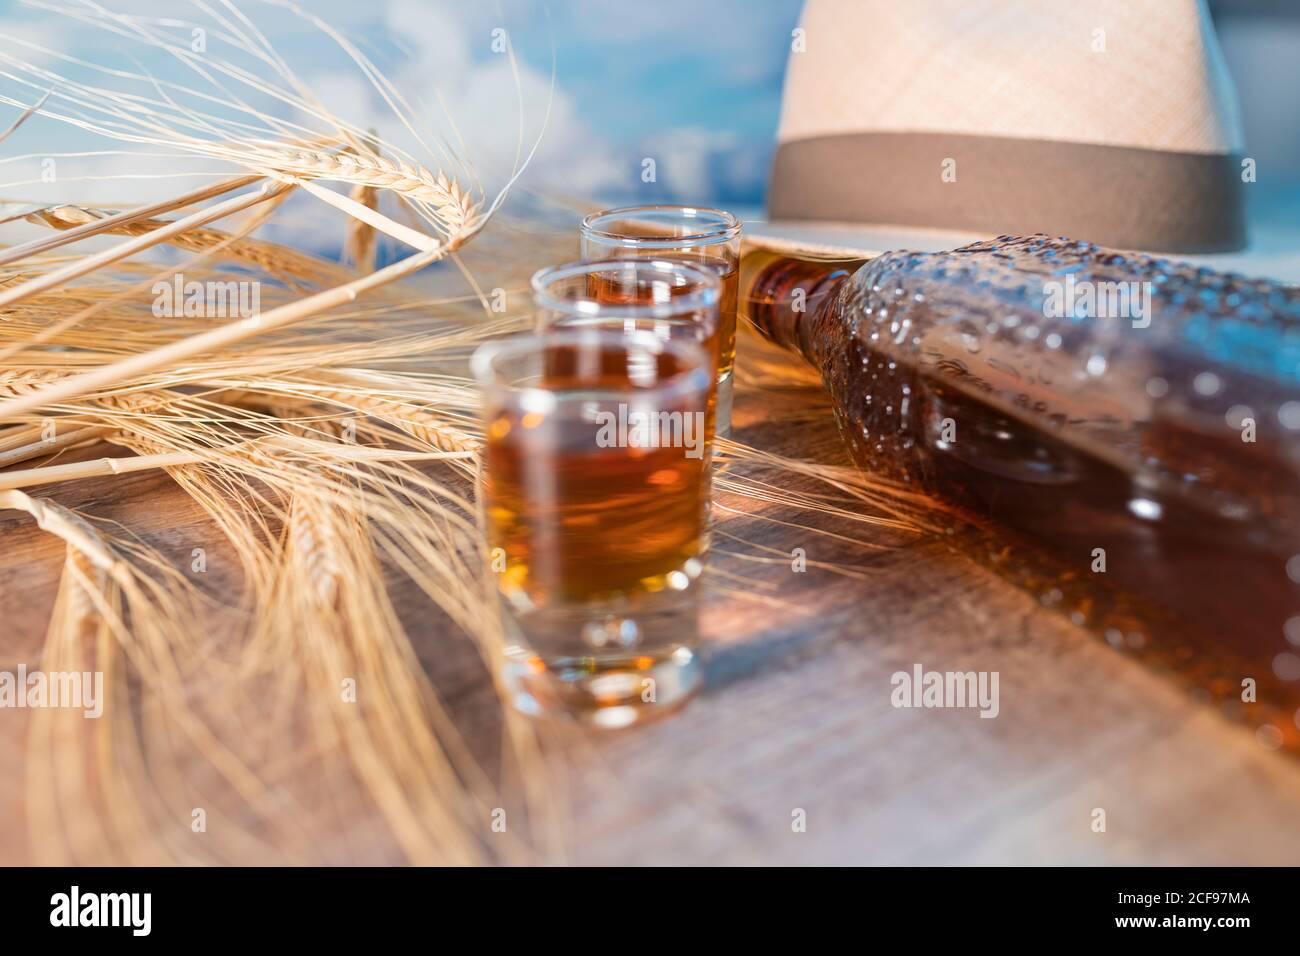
point(787, 297)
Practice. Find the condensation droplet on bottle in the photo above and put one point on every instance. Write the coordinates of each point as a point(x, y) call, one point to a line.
point(1236, 415)
point(1287, 666)
point(1146, 508)
point(1292, 630)
point(1207, 383)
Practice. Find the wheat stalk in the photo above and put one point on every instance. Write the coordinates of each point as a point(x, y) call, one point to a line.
point(271, 258)
point(18, 436)
point(88, 264)
point(37, 449)
point(313, 524)
point(38, 247)
point(222, 337)
point(98, 468)
point(361, 246)
point(90, 796)
point(26, 115)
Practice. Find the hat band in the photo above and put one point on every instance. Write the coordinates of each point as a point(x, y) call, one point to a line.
point(1112, 195)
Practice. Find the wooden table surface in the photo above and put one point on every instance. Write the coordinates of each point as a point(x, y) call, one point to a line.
point(796, 714)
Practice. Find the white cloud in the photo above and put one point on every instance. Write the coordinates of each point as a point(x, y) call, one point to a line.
point(684, 158)
point(434, 51)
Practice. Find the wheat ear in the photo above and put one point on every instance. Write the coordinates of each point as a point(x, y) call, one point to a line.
point(312, 538)
point(222, 336)
point(452, 204)
point(69, 526)
point(274, 259)
point(419, 424)
point(38, 246)
point(88, 264)
point(25, 381)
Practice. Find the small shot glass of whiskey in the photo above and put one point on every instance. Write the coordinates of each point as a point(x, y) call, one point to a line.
point(595, 474)
point(666, 298)
point(705, 238)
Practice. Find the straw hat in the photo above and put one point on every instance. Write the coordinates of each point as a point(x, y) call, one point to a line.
point(1108, 120)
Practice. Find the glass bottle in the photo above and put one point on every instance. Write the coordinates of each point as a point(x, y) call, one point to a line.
point(1116, 434)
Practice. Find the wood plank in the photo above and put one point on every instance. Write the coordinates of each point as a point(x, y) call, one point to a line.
point(796, 713)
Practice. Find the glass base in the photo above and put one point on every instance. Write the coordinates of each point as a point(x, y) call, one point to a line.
point(612, 661)
point(607, 693)
point(722, 423)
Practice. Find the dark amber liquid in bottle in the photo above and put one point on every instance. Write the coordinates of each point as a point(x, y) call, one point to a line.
point(1040, 476)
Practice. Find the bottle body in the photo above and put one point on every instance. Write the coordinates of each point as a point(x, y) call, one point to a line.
point(1119, 436)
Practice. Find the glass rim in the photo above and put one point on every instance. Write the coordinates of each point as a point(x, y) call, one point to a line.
point(696, 375)
point(726, 226)
point(707, 296)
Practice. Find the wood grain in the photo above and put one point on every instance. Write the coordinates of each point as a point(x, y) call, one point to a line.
point(796, 714)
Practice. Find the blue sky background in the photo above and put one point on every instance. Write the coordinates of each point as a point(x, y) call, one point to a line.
point(694, 84)
point(709, 82)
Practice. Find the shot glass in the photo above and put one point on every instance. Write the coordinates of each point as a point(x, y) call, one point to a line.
point(594, 476)
point(668, 299)
point(705, 238)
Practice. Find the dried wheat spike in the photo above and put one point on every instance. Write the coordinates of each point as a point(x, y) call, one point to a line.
point(136, 402)
point(314, 543)
point(68, 525)
point(452, 204)
point(24, 381)
point(269, 257)
point(82, 609)
point(414, 422)
point(305, 420)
